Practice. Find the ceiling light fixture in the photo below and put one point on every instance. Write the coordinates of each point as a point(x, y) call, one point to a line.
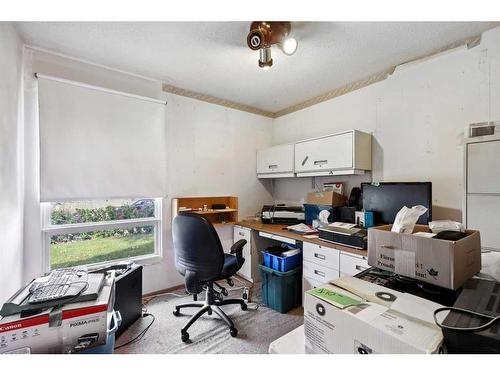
point(264, 34)
point(289, 46)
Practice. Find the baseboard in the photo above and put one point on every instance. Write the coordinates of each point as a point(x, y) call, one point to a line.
point(162, 291)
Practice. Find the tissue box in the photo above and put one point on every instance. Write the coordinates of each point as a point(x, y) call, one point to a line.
point(354, 316)
point(326, 197)
point(448, 264)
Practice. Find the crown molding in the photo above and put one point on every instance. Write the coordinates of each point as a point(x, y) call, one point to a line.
point(214, 100)
point(350, 87)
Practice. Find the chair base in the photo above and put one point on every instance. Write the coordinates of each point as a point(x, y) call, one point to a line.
point(209, 306)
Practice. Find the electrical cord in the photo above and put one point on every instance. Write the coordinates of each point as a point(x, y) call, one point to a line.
point(140, 335)
point(482, 327)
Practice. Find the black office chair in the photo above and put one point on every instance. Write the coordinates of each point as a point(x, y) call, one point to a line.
point(199, 257)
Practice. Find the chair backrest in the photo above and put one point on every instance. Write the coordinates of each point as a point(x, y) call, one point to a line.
point(199, 255)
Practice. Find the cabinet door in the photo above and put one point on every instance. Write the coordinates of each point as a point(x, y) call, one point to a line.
point(483, 172)
point(278, 159)
point(328, 153)
point(482, 215)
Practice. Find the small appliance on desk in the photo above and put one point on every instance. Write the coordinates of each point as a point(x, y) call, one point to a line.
point(344, 234)
point(282, 214)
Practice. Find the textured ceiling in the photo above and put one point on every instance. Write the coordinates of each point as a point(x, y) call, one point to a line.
point(212, 57)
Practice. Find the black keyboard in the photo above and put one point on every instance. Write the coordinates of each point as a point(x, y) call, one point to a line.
point(61, 284)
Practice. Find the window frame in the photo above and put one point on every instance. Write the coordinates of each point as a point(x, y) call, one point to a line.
point(49, 229)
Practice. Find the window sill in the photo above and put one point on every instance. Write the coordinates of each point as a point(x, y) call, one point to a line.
point(144, 260)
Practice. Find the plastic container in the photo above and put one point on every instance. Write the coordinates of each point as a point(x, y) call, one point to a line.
point(273, 259)
point(281, 291)
point(109, 347)
point(312, 212)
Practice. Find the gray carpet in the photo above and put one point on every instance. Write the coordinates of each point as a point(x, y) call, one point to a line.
point(209, 334)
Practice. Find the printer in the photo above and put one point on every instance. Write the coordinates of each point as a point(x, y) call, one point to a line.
point(344, 234)
point(282, 214)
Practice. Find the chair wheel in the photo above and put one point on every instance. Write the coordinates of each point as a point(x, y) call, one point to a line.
point(176, 312)
point(184, 336)
point(209, 312)
point(233, 332)
point(244, 306)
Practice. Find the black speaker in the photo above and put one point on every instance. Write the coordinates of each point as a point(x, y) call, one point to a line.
point(348, 214)
point(355, 198)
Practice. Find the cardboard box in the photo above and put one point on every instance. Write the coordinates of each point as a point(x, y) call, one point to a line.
point(326, 198)
point(448, 264)
point(73, 327)
point(354, 316)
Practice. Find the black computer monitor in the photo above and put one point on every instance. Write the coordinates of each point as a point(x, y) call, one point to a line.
point(385, 199)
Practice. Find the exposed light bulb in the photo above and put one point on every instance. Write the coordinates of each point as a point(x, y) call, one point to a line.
point(289, 46)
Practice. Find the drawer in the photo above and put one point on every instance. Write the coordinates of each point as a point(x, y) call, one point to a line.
point(351, 264)
point(241, 233)
point(276, 237)
point(319, 273)
point(322, 255)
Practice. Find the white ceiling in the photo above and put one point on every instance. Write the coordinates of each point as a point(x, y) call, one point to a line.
point(212, 57)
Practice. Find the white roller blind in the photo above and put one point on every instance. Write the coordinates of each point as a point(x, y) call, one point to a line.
point(98, 144)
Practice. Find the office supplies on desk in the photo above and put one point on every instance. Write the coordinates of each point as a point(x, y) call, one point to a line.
point(301, 229)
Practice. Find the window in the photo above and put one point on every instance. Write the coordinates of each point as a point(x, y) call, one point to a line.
point(100, 231)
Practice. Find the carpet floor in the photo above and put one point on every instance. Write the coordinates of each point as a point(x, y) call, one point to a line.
point(209, 334)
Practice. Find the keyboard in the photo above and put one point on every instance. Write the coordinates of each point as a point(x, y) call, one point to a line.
point(60, 284)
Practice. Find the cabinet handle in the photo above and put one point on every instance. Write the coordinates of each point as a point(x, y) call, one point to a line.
point(241, 233)
point(304, 161)
point(387, 247)
point(273, 166)
point(361, 268)
point(319, 273)
point(319, 256)
point(320, 162)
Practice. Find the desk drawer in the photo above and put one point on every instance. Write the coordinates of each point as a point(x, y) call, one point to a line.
point(351, 264)
point(319, 273)
point(241, 233)
point(322, 255)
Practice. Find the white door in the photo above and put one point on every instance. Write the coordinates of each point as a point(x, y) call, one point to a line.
point(277, 159)
point(328, 153)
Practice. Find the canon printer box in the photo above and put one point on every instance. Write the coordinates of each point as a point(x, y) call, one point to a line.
point(448, 264)
point(69, 329)
point(350, 315)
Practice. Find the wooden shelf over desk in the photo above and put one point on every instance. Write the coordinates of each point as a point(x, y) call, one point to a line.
point(224, 216)
point(280, 230)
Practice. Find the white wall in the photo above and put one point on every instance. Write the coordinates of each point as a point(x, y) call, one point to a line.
point(417, 117)
point(11, 169)
point(211, 151)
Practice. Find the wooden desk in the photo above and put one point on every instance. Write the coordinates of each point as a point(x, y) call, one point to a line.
point(280, 230)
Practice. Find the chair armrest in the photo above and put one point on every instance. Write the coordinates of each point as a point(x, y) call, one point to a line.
point(238, 246)
point(237, 249)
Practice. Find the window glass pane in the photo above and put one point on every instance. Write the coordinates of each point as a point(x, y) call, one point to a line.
point(101, 210)
point(99, 246)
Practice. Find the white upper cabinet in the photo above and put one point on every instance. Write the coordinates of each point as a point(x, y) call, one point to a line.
point(338, 154)
point(275, 162)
